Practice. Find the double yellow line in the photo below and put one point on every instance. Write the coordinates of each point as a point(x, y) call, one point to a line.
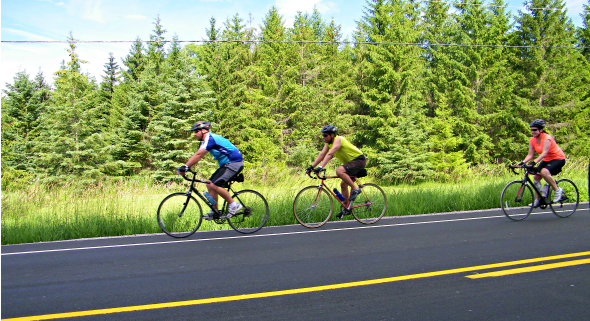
point(338, 286)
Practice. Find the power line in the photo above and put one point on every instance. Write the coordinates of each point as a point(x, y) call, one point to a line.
point(294, 41)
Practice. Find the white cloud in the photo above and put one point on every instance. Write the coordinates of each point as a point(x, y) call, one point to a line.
point(26, 35)
point(291, 7)
point(87, 9)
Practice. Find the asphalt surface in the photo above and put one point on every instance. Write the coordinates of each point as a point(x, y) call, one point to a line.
point(343, 270)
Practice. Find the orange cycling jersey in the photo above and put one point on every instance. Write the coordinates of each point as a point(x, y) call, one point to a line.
point(554, 151)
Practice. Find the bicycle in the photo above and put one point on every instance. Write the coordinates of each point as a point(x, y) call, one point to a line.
point(518, 200)
point(313, 205)
point(180, 214)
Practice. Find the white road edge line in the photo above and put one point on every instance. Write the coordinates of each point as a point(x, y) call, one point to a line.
point(256, 235)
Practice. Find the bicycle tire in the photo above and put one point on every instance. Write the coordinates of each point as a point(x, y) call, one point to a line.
point(517, 200)
point(569, 199)
point(313, 206)
point(178, 217)
point(254, 212)
point(375, 204)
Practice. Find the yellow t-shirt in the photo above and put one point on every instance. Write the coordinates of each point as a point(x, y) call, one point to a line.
point(347, 151)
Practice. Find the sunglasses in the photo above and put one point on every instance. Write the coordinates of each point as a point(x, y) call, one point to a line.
point(325, 135)
point(534, 130)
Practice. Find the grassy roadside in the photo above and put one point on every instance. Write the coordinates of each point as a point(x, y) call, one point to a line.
point(41, 212)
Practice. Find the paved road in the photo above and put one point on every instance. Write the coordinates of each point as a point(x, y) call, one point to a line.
point(430, 267)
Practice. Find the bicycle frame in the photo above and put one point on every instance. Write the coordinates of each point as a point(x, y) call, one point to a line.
point(323, 185)
point(543, 201)
point(192, 189)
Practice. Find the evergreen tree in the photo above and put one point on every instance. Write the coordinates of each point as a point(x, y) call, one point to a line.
point(135, 62)
point(22, 108)
point(184, 100)
point(156, 53)
point(551, 71)
point(391, 79)
point(584, 32)
point(71, 140)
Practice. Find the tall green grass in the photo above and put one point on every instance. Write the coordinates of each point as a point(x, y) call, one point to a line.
point(38, 212)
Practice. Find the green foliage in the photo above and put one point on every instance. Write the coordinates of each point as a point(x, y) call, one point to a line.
point(418, 112)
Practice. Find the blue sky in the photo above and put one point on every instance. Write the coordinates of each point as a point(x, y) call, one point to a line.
point(129, 19)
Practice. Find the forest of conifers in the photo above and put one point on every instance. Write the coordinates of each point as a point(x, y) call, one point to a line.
point(425, 89)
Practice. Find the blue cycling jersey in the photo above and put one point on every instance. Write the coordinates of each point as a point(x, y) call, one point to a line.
point(222, 150)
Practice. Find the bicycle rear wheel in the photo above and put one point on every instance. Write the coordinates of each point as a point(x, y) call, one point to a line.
point(313, 206)
point(517, 200)
point(374, 204)
point(570, 197)
point(254, 212)
point(179, 215)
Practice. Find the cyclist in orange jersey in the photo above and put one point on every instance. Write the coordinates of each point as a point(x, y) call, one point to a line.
point(551, 158)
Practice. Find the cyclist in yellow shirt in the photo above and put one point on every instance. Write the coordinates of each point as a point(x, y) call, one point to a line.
point(351, 157)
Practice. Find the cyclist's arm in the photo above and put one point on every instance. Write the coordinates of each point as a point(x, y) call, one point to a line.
point(530, 155)
point(196, 157)
point(320, 156)
point(331, 152)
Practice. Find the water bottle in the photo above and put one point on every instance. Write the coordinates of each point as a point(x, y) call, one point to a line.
point(340, 196)
point(210, 198)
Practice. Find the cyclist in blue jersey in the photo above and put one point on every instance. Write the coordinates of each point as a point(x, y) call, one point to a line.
point(230, 162)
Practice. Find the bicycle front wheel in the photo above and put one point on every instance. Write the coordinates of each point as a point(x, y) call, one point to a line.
point(254, 212)
point(179, 215)
point(517, 200)
point(313, 206)
point(374, 203)
point(569, 199)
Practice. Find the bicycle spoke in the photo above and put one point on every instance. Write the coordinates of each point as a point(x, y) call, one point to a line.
point(313, 206)
point(569, 201)
point(374, 204)
point(179, 215)
point(517, 200)
point(254, 213)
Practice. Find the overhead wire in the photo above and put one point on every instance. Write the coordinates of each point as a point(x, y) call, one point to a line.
point(294, 41)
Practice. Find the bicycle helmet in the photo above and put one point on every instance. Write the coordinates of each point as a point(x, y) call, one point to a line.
point(329, 129)
point(539, 123)
point(201, 125)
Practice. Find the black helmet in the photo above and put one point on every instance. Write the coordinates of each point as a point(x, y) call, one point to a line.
point(201, 125)
point(539, 123)
point(329, 129)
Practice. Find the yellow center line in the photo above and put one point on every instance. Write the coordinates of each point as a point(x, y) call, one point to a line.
point(293, 291)
point(530, 269)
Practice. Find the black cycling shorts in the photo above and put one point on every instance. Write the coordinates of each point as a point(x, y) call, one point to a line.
point(224, 173)
point(355, 166)
point(554, 166)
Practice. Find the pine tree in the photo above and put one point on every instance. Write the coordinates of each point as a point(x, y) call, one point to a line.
point(71, 140)
point(391, 80)
point(184, 100)
point(156, 53)
point(583, 32)
point(551, 70)
point(135, 62)
point(22, 108)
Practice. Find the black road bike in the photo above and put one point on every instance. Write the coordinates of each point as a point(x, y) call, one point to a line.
point(518, 199)
point(180, 214)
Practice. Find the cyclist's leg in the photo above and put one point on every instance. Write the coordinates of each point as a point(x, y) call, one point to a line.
point(344, 189)
point(346, 180)
point(551, 168)
point(221, 177)
point(350, 169)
